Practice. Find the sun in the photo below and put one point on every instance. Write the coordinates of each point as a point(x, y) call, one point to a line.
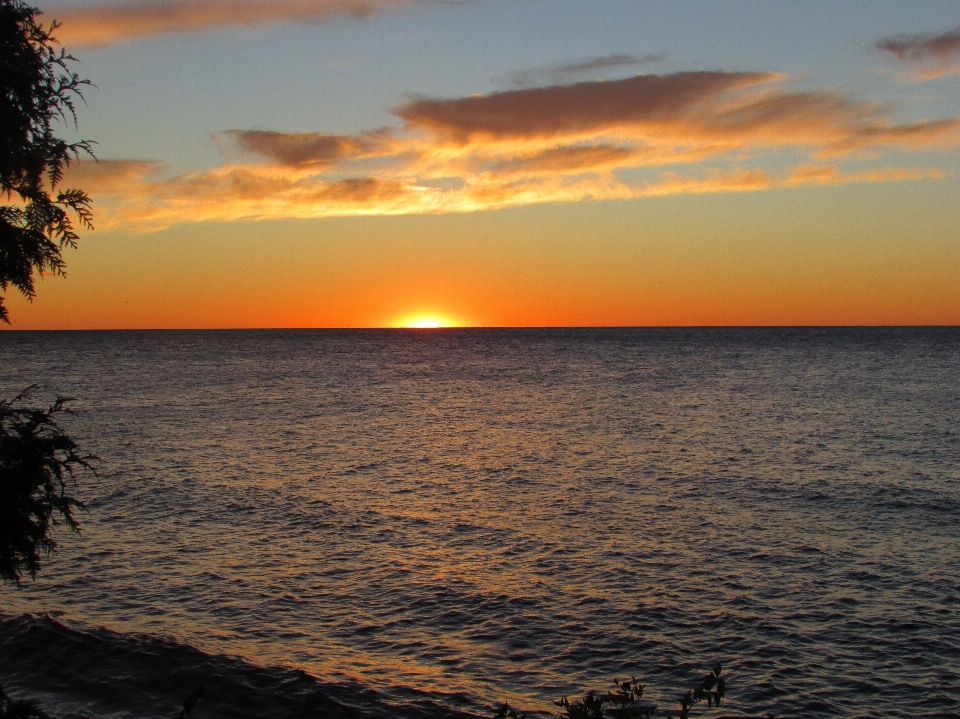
point(426, 321)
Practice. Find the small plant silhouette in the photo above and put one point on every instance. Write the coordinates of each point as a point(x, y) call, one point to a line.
point(625, 701)
point(712, 688)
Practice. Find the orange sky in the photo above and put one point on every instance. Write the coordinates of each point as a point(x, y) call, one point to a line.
point(314, 163)
point(783, 257)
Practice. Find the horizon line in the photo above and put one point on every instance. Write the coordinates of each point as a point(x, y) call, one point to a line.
point(474, 327)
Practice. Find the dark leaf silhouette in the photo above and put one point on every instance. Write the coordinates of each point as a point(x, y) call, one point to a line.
point(37, 88)
point(37, 464)
point(625, 702)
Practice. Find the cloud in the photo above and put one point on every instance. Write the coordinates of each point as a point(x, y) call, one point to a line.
point(607, 62)
point(561, 74)
point(568, 159)
point(693, 132)
point(97, 24)
point(821, 175)
point(929, 55)
point(672, 183)
point(583, 108)
point(309, 149)
point(710, 109)
point(109, 176)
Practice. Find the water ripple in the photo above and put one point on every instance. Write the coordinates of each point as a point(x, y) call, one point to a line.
point(441, 520)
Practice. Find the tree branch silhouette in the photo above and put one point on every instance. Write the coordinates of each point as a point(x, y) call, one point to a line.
point(37, 89)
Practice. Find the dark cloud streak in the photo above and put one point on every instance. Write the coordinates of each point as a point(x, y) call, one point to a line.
point(602, 63)
point(680, 110)
point(560, 74)
point(308, 149)
point(930, 54)
point(585, 106)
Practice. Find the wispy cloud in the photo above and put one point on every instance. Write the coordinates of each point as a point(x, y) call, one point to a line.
point(929, 55)
point(642, 136)
point(111, 177)
point(571, 72)
point(97, 24)
point(820, 175)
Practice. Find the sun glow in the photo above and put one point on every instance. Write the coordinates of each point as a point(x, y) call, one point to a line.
point(426, 321)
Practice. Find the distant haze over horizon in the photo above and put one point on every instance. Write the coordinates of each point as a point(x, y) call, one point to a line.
point(383, 163)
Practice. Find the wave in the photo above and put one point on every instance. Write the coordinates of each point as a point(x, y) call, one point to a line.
point(74, 671)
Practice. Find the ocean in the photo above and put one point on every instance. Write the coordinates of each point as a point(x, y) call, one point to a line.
point(425, 523)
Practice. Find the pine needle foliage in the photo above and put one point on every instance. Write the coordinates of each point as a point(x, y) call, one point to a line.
point(37, 90)
point(38, 461)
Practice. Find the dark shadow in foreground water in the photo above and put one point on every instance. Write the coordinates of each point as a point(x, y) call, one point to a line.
point(72, 673)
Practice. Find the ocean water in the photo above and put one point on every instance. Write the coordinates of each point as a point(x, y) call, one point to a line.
point(425, 523)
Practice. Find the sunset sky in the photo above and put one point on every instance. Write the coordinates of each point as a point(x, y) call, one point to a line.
point(364, 163)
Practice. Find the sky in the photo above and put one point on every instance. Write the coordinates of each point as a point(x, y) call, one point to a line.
point(372, 163)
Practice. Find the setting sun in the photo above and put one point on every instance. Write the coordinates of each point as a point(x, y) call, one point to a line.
point(426, 321)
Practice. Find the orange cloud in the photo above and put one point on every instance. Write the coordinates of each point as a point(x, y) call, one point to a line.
point(930, 55)
point(109, 176)
point(586, 107)
point(820, 175)
point(554, 144)
point(569, 159)
point(107, 23)
point(309, 149)
point(718, 109)
point(672, 183)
